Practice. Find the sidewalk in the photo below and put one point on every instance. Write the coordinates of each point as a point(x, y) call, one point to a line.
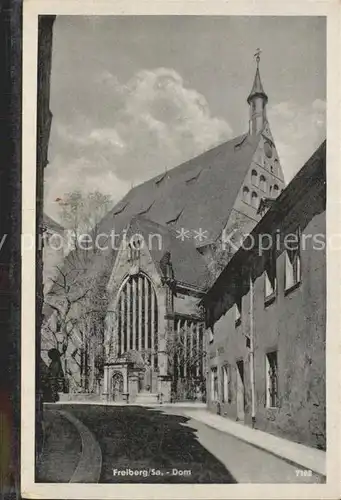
point(70, 453)
point(61, 450)
point(304, 456)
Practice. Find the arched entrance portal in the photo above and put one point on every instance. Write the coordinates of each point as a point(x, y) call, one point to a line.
point(117, 386)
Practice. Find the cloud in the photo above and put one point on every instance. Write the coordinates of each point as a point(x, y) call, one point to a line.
point(298, 130)
point(128, 132)
point(153, 121)
point(79, 174)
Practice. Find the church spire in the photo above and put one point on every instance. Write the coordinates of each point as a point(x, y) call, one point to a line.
point(257, 101)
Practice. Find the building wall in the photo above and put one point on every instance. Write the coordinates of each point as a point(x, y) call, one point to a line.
point(229, 345)
point(294, 324)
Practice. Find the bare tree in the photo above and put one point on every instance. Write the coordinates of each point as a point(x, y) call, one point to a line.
point(186, 352)
point(76, 306)
point(76, 303)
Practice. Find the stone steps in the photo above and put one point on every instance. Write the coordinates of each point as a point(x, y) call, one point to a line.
point(146, 398)
point(78, 397)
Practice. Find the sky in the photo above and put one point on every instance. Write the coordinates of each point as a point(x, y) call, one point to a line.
point(132, 96)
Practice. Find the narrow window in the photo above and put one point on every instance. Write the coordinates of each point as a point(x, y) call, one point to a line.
point(214, 384)
point(254, 177)
point(270, 277)
point(262, 183)
point(254, 200)
point(271, 380)
point(225, 383)
point(130, 253)
point(246, 194)
point(293, 261)
point(276, 190)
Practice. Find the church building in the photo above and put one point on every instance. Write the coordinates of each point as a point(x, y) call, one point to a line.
point(176, 233)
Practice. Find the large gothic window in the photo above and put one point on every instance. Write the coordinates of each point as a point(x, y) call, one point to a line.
point(137, 318)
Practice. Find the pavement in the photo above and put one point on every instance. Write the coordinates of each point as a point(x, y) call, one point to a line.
point(180, 438)
point(299, 454)
point(62, 445)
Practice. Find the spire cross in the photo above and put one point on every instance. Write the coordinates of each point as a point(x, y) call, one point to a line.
point(257, 55)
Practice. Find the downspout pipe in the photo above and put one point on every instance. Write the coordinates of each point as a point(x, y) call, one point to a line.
point(252, 354)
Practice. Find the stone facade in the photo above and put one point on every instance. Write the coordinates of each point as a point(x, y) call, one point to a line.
point(277, 340)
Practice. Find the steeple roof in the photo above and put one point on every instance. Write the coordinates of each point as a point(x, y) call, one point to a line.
point(257, 88)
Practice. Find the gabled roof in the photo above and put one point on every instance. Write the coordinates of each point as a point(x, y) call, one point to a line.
point(200, 193)
point(188, 264)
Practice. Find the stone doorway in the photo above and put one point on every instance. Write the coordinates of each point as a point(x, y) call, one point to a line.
point(148, 379)
point(117, 386)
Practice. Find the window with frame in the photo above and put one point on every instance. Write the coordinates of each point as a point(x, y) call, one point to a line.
point(254, 177)
point(270, 277)
point(214, 384)
point(271, 379)
point(133, 253)
point(246, 194)
point(225, 383)
point(293, 261)
point(254, 200)
point(262, 183)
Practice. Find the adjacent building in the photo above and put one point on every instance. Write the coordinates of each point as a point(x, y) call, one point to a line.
point(266, 317)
